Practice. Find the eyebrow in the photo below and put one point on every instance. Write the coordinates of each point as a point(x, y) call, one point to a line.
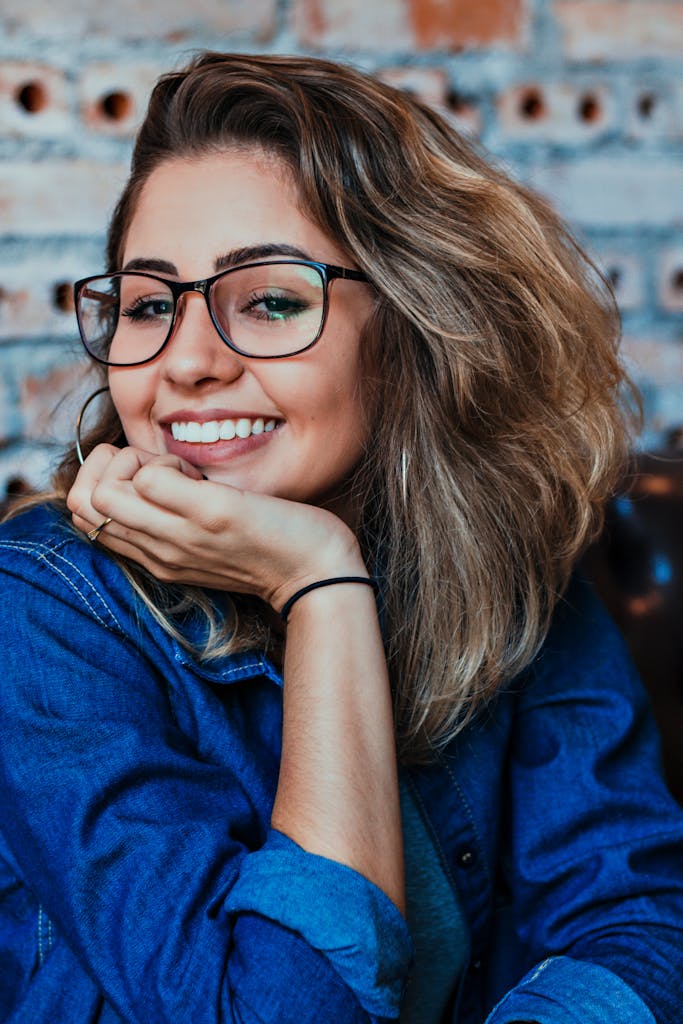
point(234, 258)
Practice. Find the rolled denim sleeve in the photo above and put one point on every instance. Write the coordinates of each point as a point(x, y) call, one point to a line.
point(338, 911)
point(562, 990)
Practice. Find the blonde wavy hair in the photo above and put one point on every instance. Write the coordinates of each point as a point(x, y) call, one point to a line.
point(491, 372)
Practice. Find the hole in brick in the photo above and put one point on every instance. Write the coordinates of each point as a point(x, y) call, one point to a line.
point(116, 106)
point(458, 103)
point(63, 297)
point(646, 105)
point(531, 105)
point(614, 277)
point(677, 280)
point(32, 97)
point(16, 485)
point(589, 108)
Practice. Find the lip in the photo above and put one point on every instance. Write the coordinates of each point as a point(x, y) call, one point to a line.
point(206, 415)
point(216, 453)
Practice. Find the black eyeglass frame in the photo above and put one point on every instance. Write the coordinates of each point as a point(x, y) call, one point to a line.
point(328, 272)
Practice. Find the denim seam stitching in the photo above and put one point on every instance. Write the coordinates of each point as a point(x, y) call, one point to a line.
point(41, 955)
point(242, 668)
point(470, 817)
point(40, 551)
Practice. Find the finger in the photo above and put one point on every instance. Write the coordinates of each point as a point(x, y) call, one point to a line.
point(130, 460)
point(88, 500)
point(146, 510)
point(165, 567)
point(79, 498)
point(193, 500)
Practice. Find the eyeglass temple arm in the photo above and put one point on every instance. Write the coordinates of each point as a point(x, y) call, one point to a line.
point(344, 272)
point(103, 297)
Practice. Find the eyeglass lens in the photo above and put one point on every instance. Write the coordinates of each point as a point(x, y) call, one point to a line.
point(270, 309)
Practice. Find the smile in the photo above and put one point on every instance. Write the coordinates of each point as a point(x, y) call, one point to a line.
point(219, 430)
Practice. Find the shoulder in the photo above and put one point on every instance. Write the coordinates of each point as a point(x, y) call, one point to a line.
point(583, 647)
point(41, 551)
point(582, 710)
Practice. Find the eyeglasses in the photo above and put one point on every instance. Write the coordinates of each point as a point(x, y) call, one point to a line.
point(261, 310)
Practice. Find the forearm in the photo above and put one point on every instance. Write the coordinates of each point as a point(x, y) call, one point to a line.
point(337, 794)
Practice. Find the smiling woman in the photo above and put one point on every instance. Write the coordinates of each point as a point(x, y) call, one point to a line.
point(215, 355)
point(345, 357)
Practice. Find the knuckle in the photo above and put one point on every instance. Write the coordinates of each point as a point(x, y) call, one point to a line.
point(165, 573)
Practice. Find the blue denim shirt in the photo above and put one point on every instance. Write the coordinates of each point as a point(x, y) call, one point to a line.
point(140, 879)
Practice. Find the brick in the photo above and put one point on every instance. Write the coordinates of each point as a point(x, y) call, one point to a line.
point(656, 365)
point(51, 395)
point(7, 423)
point(34, 101)
point(431, 85)
point(62, 197)
point(409, 24)
point(653, 112)
point(669, 405)
point(620, 29)
point(670, 284)
point(31, 463)
point(170, 20)
point(677, 102)
point(461, 23)
point(625, 272)
point(35, 294)
point(113, 95)
point(29, 300)
point(428, 84)
point(654, 360)
point(559, 112)
point(601, 191)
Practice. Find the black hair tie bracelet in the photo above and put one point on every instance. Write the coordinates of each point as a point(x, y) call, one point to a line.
point(368, 580)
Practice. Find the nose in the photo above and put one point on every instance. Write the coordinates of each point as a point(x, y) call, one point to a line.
point(195, 353)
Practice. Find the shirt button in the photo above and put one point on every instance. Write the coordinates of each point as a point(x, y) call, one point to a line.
point(466, 858)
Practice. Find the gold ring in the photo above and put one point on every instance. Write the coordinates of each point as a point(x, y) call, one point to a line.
point(94, 534)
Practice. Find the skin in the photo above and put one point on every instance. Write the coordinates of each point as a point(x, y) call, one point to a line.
point(274, 513)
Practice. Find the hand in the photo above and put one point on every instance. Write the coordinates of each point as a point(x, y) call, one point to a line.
point(185, 529)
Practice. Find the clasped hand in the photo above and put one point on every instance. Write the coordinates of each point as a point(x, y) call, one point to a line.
point(183, 528)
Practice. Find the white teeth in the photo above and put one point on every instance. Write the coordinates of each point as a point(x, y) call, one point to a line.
point(210, 431)
point(223, 430)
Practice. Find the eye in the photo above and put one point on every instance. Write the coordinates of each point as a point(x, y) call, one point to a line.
point(272, 306)
point(148, 309)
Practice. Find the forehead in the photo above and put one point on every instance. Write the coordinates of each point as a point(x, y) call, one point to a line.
point(199, 208)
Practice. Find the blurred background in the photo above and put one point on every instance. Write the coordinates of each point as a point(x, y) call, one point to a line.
point(583, 99)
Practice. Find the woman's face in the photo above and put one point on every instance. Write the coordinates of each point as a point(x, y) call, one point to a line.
point(303, 415)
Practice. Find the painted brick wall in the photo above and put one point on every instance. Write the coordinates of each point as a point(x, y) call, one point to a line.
point(582, 98)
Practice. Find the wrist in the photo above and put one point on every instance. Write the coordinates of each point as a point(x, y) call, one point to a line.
point(339, 556)
point(334, 581)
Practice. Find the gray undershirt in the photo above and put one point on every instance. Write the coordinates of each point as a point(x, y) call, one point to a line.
point(436, 923)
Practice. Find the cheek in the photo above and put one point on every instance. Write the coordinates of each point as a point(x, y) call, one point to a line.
point(133, 397)
point(330, 408)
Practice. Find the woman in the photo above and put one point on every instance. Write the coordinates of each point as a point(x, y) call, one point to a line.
point(343, 354)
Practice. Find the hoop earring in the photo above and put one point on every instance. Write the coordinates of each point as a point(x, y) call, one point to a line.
point(405, 464)
point(79, 420)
